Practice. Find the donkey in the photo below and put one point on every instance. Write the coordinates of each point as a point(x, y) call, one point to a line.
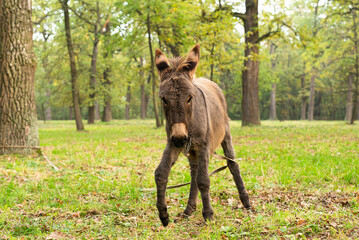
point(196, 123)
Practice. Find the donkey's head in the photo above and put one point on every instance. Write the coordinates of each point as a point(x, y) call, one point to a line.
point(177, 92)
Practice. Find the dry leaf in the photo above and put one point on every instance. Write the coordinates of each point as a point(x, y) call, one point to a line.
point(301, 222)
point(57, 235)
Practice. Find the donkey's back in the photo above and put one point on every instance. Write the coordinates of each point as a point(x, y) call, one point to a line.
point(216, 111)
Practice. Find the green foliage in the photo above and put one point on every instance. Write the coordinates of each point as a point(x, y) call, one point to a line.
point(312, 38)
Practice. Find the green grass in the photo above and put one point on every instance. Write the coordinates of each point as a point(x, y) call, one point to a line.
point(302, 177)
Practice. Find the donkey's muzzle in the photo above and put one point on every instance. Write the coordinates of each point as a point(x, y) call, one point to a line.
point(179, 141)
point(179, 135)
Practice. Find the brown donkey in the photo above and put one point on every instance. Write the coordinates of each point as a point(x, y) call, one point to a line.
point(196, 123)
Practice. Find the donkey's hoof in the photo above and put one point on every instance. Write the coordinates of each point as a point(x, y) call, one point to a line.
point(250, 208)
point(207, 216)
point(188, 211)
point(165, 222)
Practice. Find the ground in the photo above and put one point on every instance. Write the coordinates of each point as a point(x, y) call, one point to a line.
point(302, 178)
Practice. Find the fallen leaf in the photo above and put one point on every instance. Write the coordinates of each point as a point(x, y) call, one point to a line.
point(301, 222)
point(57, 235)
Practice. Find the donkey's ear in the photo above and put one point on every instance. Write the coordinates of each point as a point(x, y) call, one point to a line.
point(192, 60)
point(161, 61)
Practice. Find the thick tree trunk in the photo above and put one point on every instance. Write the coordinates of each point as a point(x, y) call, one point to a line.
point(75, 89)
point(311, 98)
point(107, 114)
point(250, 97)
point(154, 81)
point(349, 104)
point(18, 119)
point(128, 100)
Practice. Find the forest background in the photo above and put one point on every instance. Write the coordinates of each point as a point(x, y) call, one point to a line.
point(308, 55)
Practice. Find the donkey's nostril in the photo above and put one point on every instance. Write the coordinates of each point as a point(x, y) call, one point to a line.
point(179, 141)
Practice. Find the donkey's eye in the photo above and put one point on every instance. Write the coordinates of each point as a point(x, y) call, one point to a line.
point(164, 101)
point(189, 99)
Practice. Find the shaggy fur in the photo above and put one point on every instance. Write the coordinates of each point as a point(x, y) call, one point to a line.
point(196, 123)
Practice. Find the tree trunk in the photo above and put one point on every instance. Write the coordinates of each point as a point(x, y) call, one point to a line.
point(154, 81)
point(18, 119)
point(212, 62)
point(143, 90)
point(303, 96)
point(107, 114)
point(75, 89)
point(349, 104)
point(48, 115)
point(311, 98)
point(93, 72)
point(45, 65)
point(71, 113)
point(97, 111)
point(272, 106)
point(128, 100)
point(250, 97)
point(356, 81)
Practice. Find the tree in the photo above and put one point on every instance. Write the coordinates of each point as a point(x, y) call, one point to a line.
point(250, 93)
point(18, 120)
point(70, 48)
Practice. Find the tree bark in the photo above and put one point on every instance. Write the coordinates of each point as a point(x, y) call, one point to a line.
point(250, 96)
point(75, 89)
point(349, 104)
point(154, 81)
point(107, 114)
point(128, 100)
point(18, 119)
point(311, 98)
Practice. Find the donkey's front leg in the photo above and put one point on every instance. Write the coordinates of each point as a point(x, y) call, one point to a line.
point(193, 192)
point(162, 172)
point(203, 183)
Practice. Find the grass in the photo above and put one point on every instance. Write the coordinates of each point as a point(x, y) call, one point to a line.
point(302, 177)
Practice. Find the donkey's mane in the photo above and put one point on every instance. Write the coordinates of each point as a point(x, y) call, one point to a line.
point(177, 63)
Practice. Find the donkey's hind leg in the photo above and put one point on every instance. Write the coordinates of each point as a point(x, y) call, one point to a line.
point(234, 168)
point(193, 194)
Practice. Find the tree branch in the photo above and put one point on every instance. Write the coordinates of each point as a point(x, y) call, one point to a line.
point(81, 17)
point(267, 35)
point(242, 16)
